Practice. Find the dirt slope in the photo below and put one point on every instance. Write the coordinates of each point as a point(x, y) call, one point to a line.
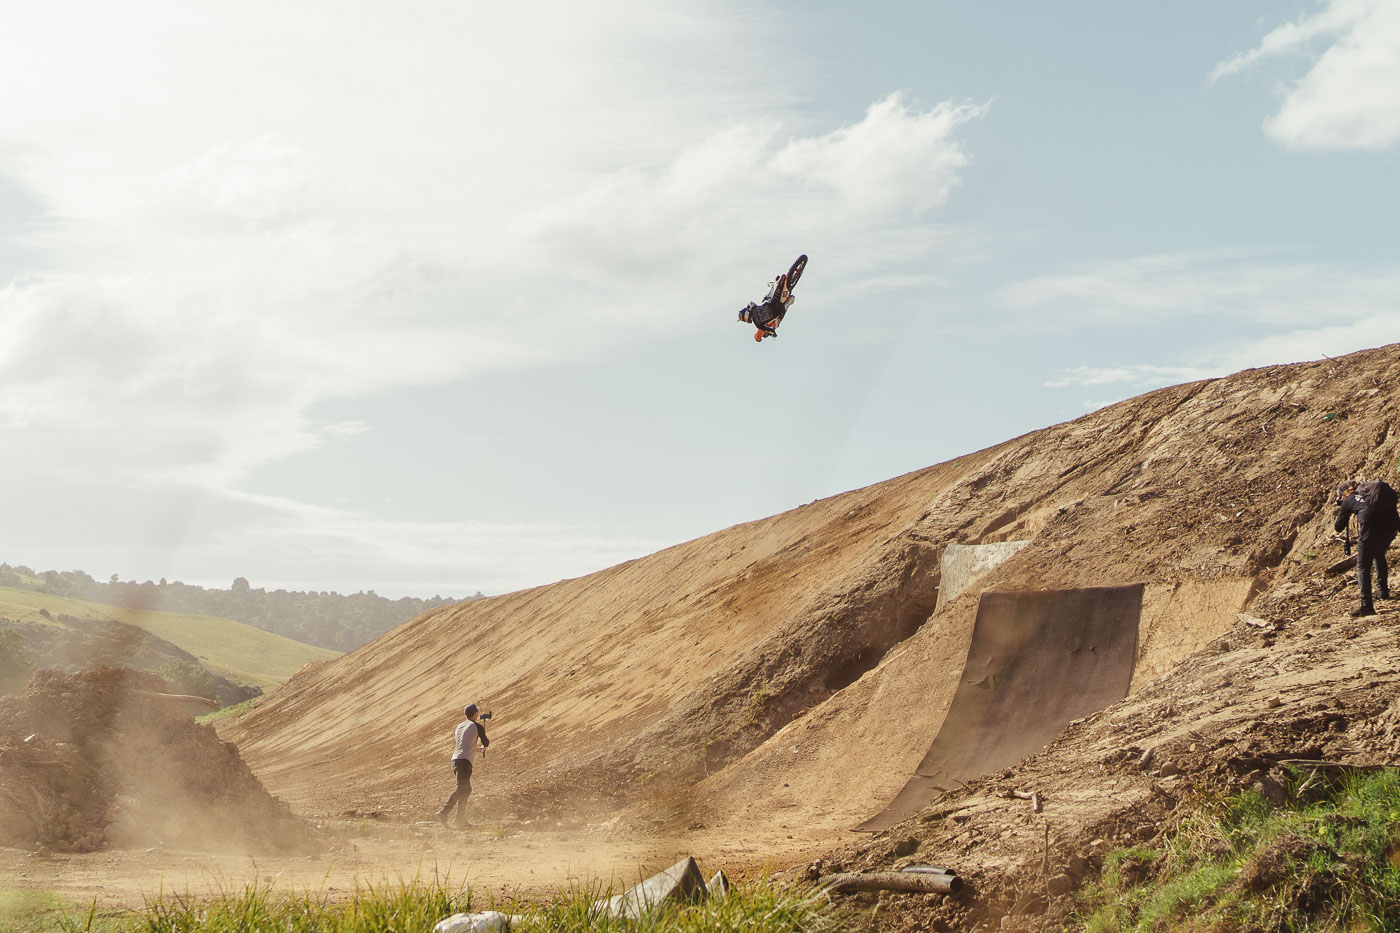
point(648, 672)
point(778, 681)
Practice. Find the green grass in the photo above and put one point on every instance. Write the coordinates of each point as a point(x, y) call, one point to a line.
point(1327, 860)
point(415, 907)
point(408, 908)
point(242, 653)
point(27, 911)
point(757, 699)
point(225, 711)
point(25, 606)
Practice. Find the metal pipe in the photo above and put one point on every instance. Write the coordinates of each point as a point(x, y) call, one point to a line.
point(916, 881)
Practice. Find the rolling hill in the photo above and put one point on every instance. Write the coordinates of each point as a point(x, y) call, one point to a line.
point(241, 653)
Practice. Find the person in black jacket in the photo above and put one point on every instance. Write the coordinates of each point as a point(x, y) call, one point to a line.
point(769, 313)
point(1377, 521)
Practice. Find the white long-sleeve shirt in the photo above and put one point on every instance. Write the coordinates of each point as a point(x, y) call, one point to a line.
point(466, 735)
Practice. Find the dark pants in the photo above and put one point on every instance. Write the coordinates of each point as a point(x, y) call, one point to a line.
point(1366, 555)
point(463, 769)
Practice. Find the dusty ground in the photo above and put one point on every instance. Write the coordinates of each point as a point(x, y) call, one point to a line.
point(501, 862)
point(748, 696)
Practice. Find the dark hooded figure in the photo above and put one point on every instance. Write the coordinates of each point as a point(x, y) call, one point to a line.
point(1377, 522)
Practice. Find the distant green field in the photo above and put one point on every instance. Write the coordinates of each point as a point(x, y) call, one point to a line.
point(239, 652)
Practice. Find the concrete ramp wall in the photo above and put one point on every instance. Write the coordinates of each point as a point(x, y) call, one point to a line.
point(1037, 661)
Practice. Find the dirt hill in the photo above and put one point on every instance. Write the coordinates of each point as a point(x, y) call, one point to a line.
point(102, 758)
point(758, 691)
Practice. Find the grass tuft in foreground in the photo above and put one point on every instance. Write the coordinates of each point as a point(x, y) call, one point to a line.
point(416, 907)
point(26, 911)
point(760, 908)
point(1328, 859)
point(408, 907)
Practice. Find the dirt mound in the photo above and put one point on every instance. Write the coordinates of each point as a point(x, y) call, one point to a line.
point(779, 681)
point(95, 758)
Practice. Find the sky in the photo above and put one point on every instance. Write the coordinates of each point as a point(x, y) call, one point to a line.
point(440, 297)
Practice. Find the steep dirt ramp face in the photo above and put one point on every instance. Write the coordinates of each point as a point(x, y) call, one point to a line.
point(1038, 661)
point(607, 686)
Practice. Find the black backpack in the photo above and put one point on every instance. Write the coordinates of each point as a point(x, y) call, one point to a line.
point(1379, 512)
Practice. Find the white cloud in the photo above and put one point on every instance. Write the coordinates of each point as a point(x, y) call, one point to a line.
point(1293, 346)
point(244, 219)
point(1293, 312)
point(205, 537)
point(1136, 376)
point(694, 224)
point(1350, 96)
point(255, 182)
point(1224, 284)
point(345, 429)
point(492, 557)
point(893, 162)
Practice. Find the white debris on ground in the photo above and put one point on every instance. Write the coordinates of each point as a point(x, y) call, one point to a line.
point(486, 921)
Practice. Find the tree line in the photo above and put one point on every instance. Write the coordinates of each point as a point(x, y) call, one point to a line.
point(325, 619)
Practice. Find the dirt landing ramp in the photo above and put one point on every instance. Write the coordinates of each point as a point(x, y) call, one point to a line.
point(1038, 661)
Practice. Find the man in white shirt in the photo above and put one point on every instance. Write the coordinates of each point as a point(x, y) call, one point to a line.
point(468, 733)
